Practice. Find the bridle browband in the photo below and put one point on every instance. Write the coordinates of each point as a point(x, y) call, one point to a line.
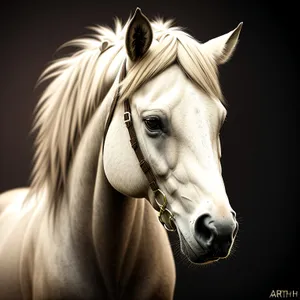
point(165, 216)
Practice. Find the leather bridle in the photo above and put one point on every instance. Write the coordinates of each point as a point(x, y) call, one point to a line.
point(165, 216)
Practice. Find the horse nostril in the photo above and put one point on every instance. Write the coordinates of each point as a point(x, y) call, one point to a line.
point(233, 214)
point(235, 231)
point(204, 230)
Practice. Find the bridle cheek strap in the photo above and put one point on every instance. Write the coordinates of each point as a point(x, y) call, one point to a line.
point(135, 146)
point(165, 216)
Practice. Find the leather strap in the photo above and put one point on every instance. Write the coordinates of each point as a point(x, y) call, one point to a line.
point(133, 138)
point(136, 147)
point(165, 216)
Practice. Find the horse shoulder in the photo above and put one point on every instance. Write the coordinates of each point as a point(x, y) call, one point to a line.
point(154, 274)
point(162, 259)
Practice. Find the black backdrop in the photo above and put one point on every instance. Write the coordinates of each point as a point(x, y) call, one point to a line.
point(258, 138)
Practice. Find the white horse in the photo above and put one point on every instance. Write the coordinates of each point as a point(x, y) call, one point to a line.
point(83, 230)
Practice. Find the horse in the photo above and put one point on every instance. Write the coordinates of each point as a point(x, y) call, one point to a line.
point(127, 147)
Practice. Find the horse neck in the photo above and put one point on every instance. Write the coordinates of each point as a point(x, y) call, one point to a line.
point(102, 220)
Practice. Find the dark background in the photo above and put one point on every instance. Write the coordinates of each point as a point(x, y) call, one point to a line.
point(258, 138)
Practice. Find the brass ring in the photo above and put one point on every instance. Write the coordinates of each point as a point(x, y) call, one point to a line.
point(163, 211)
point(170, 226)
point(161, 206)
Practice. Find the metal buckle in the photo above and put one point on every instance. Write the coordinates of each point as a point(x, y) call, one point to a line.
point(165, 202)
point(127, 117)
point(165, 217)
point(169, 224)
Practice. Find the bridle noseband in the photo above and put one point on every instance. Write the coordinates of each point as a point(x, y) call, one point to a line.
point(165, 216)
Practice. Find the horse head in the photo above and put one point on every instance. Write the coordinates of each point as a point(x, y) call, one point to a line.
point(177, 111)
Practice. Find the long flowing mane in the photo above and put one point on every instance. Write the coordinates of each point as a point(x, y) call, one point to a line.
point(80, 82)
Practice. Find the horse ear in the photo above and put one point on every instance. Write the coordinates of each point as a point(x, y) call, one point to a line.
point(139, 36)
point(222, 47)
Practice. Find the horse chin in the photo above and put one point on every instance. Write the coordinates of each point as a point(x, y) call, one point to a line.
point(200, 259)
point(204, 260)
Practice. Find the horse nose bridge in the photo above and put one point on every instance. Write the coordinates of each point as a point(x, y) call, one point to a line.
point(201, 173)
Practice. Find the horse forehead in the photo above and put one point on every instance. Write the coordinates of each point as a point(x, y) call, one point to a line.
point(173, 92)
point(165, 90)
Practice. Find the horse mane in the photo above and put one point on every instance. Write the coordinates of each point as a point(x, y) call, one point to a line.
point(78, 84)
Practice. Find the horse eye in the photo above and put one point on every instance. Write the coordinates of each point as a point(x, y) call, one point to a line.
point(153, 123)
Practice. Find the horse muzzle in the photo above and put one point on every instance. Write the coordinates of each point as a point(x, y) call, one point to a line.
point(215, 237)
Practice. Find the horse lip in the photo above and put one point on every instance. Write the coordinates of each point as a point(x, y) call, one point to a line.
point(202, 258)
point(186, 249)
point(206, 259)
